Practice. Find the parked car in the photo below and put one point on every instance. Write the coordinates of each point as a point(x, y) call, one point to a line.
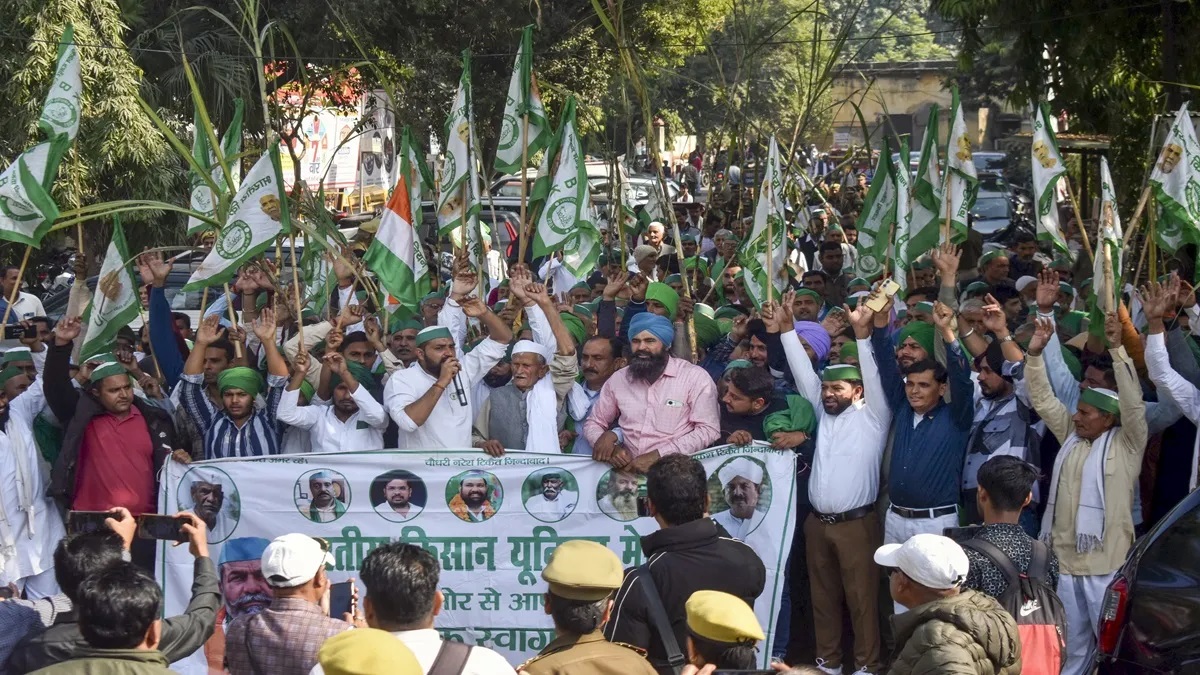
point(988, 162)
point(992, 213)
point(1150, 618)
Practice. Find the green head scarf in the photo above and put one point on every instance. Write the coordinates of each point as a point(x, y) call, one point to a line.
point(799, 416)
point(921, 332)
point(360, 373)
point(574, 326)
point(665, 295)
point(241, 377)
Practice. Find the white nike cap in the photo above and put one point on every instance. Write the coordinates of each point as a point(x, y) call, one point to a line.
point(293, 559)
point(931, 560)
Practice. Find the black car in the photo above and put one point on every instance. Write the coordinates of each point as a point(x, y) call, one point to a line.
point(1150, 619)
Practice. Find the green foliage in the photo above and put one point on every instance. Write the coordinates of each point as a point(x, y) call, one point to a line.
point(891, 30)
point(118, 153)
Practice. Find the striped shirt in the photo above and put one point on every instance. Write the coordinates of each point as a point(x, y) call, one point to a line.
point(222, 438)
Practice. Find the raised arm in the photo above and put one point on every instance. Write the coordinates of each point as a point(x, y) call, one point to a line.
point(958, 370)
point(61, 394)
point(290, 411)
point(1155, 300)
point(264, 328)
point(862, 318)
point(946, 258)
point(1045, 403)
point(154, 273)
point(804, 374)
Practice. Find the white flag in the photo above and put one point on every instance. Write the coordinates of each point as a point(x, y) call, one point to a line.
point(567, 221)
point(1176, 185)
point(1047, 167)
point(116, 302)
point(60, 112)
point(758, 247)
point(256, 216)
point(1110, 239)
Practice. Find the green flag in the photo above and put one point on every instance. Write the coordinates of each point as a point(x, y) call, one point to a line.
point(203, 200)
point(61, 111)
point(960, 182)
point(396, 255)
point(1048, 167)
point(904, 211)
point(877, 217)
point(759, 248)
point(1110, 240)
point(257, 215)
point(458, 203)
point(567, 222)
point(1176, 185)
point(925, 230)
point(517, 131)
point(116, 302)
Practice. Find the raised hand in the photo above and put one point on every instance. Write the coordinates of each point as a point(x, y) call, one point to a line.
point(350, 315)
point(153, 268)
point(209, 330)
point(945, 259)
point(687, 305)
point(537, 293)
point(474, 307)
point(768, 312)
point(374, 331)
point(301, 363)
point(335, 362)
point(30, 337)
point(835, 322)
point(738, 333)
point(638, 283)
point(236, 334)
point(616, 283)
point(265, 326)
point(1112, 330)
point(1043, 331)
point(518, 279)
point(67, 330)
point(861, 318)
point(994, 318)
point(1156, 298)
point(333, 340)
point(465, 279)
point(1047, 290)
point(943, 316)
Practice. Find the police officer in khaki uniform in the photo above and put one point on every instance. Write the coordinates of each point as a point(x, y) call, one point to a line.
point(722, 631)
point(582, 577)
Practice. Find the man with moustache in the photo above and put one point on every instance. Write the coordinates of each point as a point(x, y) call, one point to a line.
point(324, 506)
point(621, 500)
point(208, 498)
point(742, 480)
point(602, 356)
point(355, 421)
point(397, 496)
point(471, 503)
point(657, 406)
point(842, 532)
point(554, 502)
point(403, 343)
point(245, 591)
point(422, 399)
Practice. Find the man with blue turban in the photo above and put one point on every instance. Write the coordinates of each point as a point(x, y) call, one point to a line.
point(657, 405)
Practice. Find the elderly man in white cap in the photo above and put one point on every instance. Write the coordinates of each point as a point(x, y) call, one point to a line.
point(947, 629)
point(434, 408)
point(285, 637)
point(643, 260)
point(527, 413)
point(742, 481)
point(656, 233)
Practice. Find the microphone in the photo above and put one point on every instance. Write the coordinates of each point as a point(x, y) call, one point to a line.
point(460, 394)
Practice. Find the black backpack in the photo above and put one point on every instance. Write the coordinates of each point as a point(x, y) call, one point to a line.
point(1041, 621)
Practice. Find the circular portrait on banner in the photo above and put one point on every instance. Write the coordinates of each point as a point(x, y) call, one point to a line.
point(617, 494)
point(398, 495)
point(550, 494)
point(474, 496)
point(740, 490)
point(210, 493)
point(322, 495)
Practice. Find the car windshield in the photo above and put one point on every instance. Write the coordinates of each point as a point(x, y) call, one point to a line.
point(509, 188)
point(991, 207)
point(992, 162)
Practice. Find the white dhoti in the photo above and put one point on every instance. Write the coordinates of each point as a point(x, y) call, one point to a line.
point(1083, 600)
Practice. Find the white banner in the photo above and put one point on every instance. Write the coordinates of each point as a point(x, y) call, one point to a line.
point(491, 550)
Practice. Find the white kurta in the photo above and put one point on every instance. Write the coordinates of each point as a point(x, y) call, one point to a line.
point(361, 431)
point(552, 510)
point(34, 542)
point(739, 528)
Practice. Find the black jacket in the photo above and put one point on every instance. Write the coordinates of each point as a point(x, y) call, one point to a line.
point(697, 556)
point(181, 635)
point(75, 411)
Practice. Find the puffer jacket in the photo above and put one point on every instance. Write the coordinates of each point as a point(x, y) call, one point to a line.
point(964, 634)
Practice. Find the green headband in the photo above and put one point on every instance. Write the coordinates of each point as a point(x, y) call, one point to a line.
point(241, 377)
point(664, 295)
point(850, 349)
point(574, 326)
point(9, 373)
point(924, 306)
point(1104, 400)
point(702, 309)
point(809, 291)
point(1064, 287)
point(977, 286)
point(360, 373)
point(840, 373)
point(17, 355)
point(433, 333)
point(989, 257)
point(737, 364)
point(858, 281)
point(582, 309)
point(410, 324)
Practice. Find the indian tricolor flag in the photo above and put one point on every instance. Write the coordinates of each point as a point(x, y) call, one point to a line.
point(395, 256)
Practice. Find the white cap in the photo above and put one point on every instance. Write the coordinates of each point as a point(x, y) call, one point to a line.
point(743, 467)
point(931, 560)
point(531, 347)
point(1024, 282)
point(293, 559)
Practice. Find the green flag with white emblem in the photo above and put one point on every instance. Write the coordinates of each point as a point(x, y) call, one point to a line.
point(1048, 168)
point(904, 212)
point(925, 230)
point(257, 215)
point(523, 100)
point(115, 303)
point(877, 217)
point(458, 202)
point(567, 220)
point(757, 272)
point(1110, 239)
point(1176, 185)
point(202, 198)
point(60, 112)
point(960, 184)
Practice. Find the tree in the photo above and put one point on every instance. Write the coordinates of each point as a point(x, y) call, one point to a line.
point(118, 153)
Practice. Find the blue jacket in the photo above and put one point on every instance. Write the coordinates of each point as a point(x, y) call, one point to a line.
point(927, 460)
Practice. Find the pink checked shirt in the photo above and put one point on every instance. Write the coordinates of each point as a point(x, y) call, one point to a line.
point(676, 414)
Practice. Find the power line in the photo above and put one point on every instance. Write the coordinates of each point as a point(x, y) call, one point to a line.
point(802, 41)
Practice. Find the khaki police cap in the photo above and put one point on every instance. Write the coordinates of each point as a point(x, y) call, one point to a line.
point(583, 570)
point(721, 617)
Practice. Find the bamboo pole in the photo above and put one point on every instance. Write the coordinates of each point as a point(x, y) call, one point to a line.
point(523, 234)
point(770, 266)
point(946, 222)
point(296, 293)
point(16, 291)
point(237, 346)
point(1083, 237)
point(1137, 217)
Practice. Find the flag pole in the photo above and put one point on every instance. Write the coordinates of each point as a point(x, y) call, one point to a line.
point(299, 317)
point(1137, 218)
point(770, 271)
point(16, 291)
point(946, 222)
point(1083, 237)
point(237, 346)
point(523, 235)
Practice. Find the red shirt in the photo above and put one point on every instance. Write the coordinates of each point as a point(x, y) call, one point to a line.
point(116, 465)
